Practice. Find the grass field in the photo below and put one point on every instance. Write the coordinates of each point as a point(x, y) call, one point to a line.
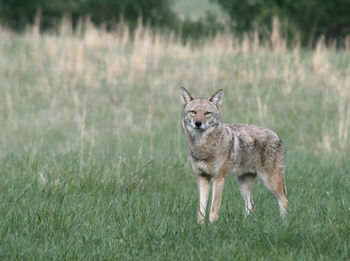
point(93, 164)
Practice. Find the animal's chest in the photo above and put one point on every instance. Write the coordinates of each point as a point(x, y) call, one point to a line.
point(202, 166)
point(205, 161)
point(204, 153)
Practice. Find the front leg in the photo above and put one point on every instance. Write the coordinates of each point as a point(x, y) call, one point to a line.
point(218, 186)
point(203, 186)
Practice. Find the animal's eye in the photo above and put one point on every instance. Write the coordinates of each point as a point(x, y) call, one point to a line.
point(208, 113)
point(193, 112)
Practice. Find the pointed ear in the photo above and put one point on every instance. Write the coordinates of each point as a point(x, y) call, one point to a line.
point(186, 97)
point(216, 98)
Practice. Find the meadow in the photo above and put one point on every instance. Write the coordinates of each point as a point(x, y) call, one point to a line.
point(93, 163)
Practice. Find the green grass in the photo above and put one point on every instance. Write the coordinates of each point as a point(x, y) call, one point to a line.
point(93, 163)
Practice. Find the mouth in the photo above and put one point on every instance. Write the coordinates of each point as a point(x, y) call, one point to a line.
point(198, 128)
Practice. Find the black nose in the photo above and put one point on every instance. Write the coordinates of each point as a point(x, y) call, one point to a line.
point(198, 123)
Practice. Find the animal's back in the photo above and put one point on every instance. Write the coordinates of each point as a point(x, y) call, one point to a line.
point(258, 147)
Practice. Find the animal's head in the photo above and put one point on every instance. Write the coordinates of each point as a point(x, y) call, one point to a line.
point(200, 114)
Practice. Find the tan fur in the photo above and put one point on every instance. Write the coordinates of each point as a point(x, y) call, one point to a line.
point(217, 150)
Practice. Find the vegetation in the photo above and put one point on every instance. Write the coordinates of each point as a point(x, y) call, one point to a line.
point(305, 21)
point(197, 9)
point(19, 13)
point(308, 20)
point(93, 163)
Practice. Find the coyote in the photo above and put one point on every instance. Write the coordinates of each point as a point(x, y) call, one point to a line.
point(217, 150)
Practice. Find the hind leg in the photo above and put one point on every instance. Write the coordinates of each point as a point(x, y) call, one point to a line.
point(246, 184)
point(275, 183)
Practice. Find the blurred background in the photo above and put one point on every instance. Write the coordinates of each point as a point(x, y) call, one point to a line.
point(302, 20)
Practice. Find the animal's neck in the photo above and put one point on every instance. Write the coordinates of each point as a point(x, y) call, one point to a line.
point(203, 144)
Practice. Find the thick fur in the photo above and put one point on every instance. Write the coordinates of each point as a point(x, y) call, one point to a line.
point(217, 150)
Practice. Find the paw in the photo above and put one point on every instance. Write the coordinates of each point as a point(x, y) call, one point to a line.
point(213, 218)
point(249, 211)
point(200, 221)
point(283, 214)
point(201, 218)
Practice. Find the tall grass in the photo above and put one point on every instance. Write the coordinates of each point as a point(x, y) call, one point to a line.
point(93, 163)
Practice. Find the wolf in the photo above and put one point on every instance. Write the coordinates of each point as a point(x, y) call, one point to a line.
point(218, 150)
